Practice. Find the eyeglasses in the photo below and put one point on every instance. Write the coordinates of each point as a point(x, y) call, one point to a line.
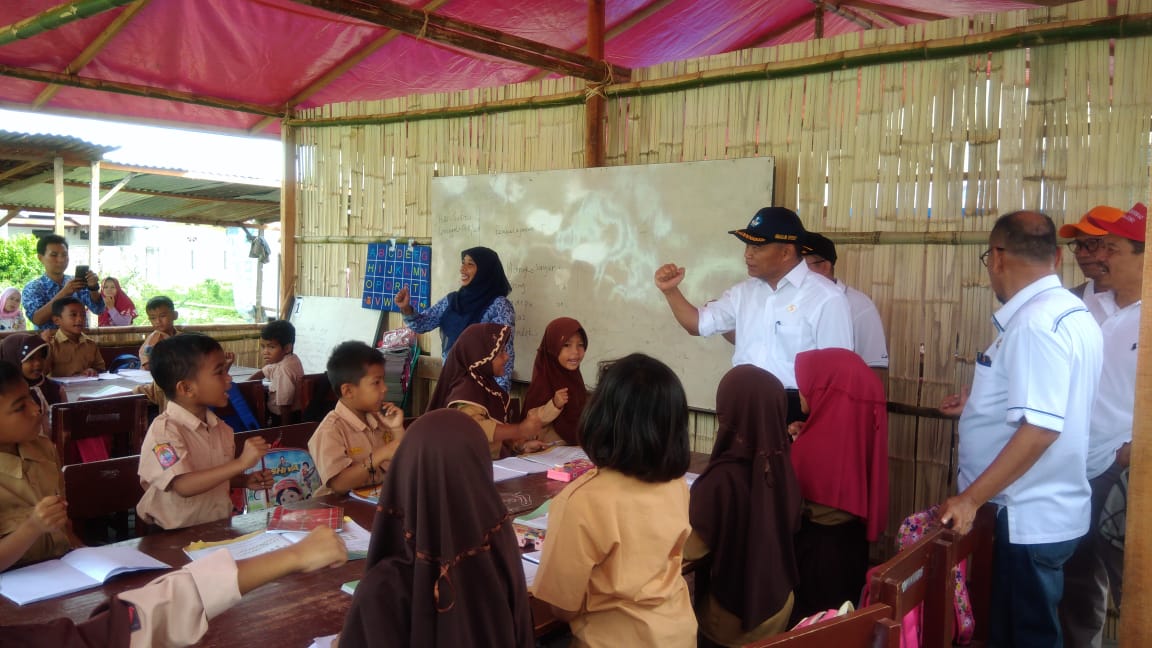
point(987, 253)
point(1089, 245)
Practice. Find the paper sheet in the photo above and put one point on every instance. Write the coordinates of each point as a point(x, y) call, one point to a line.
point(517, 464)
point(253, 544)
point(323, 642)
point(529, 570)
point(556, 455)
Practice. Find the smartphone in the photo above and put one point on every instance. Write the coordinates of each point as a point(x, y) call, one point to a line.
point(82, 272)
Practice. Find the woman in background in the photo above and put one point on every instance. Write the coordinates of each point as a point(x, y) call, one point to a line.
point(482, 299)
point(120, 310)
point(841, 461)
point(11, 318)
point(745, 509)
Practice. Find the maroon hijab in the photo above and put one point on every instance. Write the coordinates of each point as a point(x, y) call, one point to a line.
point(841, 457)
point(746, 504)
point(467, 373)
point(548, 377)
point(443, 566)
point(122, 303)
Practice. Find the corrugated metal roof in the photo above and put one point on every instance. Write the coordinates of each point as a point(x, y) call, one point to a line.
point(43, 144)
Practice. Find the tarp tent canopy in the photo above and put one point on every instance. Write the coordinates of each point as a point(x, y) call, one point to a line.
point(240, 64)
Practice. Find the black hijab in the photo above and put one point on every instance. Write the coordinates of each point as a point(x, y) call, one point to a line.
point(467, 305)
point(746, 504)
point(443, 566)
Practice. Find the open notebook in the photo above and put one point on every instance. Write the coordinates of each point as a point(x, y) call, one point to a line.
point(79, 569)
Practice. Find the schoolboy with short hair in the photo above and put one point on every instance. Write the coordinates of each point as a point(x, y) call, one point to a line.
point(70, 352)
point(282, 367)
point(33, 518)
point(162, 314)
point(187, 460)
point(355, 442)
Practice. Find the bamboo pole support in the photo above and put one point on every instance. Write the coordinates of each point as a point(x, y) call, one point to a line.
point(288, 191)
point(1124, 26)
point(312, 239)
point(1135, 632)
point(594, 107)
point(57, 16)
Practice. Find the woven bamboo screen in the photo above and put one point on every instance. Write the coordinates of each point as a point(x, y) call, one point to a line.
point(920, 146)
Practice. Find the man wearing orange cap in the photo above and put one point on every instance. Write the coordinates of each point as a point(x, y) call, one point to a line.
point(1096, 567)
point(1086, 247)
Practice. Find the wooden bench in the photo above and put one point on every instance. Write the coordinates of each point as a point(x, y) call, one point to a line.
point(290, 436)
point(869, 627)
point(123, 420)
point(977, 547)
point(102, 498)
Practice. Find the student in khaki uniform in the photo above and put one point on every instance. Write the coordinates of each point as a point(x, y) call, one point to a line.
point(33, 518)
point(174, 609)
point(282, 368)
point(162, 314)
point(31, 353)
point(355, 442)
point(468, 383)
point(71, 353)
point(187, 460)
point(611, 565)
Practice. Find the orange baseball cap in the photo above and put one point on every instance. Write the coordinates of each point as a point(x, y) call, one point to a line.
point(1100, 213)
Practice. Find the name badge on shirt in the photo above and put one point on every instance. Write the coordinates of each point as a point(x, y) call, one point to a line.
point(982, 359)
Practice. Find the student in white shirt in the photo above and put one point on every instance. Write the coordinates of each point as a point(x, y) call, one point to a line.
point(781, 309)
point(1094, 570)
point(1024, 429)
point(867, 329)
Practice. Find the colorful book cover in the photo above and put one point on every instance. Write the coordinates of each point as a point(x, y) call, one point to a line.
point(305, 519)
point(294, 478)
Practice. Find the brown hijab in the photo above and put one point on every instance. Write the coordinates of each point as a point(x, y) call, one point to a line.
point(467, 373)
point(443, 566)
point(548, 377)
point(110, 626)
point(746, 504)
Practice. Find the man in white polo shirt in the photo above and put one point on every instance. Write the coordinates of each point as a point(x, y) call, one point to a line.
point(867, 329)
point(1024, 430)
point(1093, 569)
point(1087, 248)
point(779, 311)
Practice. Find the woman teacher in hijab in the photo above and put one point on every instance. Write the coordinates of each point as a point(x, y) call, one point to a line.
point(443, 565)
point(745, 509)
point(482, 299)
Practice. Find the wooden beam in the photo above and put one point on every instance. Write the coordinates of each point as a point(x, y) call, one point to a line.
point(73, 215)
point(9, 214)
point(288, 262)
point(177, 173)
point(93, 49)
point(594, 107)
point(633, 19)
point(94, 216)
point(117, 187)
point(17, 185)
point(818, 21)
point(57, 16)
point(843, 13)
point(21, 168)
point(885, 10)
point(339, 69)
point(58, 185)
point(472, 37)
point(134, 89)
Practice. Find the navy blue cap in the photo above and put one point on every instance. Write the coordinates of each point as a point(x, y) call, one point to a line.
point(772, 225)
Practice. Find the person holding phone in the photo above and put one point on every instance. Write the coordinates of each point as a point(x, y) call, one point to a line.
point(40, 293)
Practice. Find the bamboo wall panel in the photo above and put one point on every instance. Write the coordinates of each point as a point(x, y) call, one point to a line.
point(918, 146)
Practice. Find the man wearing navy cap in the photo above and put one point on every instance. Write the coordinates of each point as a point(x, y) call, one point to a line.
point(781, 309)
point(1098, 565)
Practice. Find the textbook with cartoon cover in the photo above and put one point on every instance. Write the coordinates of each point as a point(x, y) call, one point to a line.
point(294, 476)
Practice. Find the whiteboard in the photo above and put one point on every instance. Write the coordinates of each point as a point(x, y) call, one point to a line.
point(585, 243)
point(323, 322)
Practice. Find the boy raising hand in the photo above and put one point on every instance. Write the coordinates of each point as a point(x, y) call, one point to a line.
point(187, 462)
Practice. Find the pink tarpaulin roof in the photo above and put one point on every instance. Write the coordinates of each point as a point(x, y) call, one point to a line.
point(275, 54)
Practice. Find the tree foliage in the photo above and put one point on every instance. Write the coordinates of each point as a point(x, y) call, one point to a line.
point(18, 262)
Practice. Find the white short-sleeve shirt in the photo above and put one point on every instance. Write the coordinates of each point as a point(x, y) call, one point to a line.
point(1116, 398)
point(806, 311)
point(1043, 369)
point(867, 328)
point(1101, 304)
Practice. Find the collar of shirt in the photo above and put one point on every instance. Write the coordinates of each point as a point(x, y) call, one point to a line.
point(61, 337)
point(13, 466)
point(189, 420)
point(795, 276)
point(349, 417)
point(1003, 317)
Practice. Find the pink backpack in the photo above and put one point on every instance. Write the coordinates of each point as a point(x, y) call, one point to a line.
point(912, 529)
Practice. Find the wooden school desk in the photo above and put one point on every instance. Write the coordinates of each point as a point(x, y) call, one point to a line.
point(292, 610)
point(72, 392)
